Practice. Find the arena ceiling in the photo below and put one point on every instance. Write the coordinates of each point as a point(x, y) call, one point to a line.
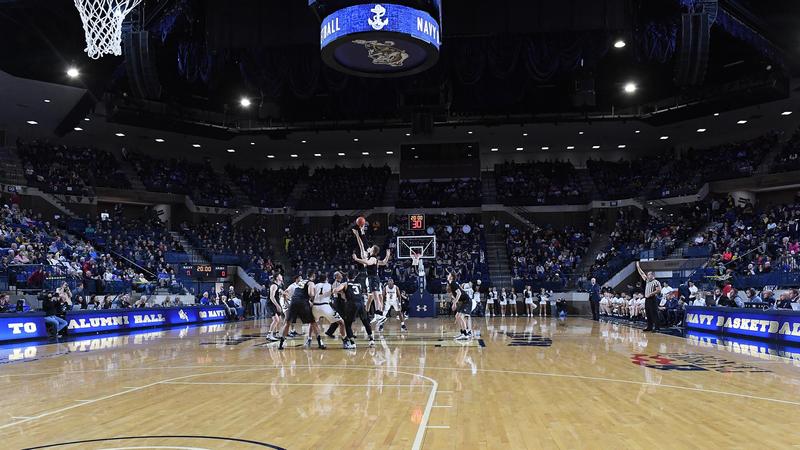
point(44, 37)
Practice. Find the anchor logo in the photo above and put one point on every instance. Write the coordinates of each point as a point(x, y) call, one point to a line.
point(377, 22)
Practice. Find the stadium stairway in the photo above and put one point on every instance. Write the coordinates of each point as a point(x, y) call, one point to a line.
point(488, 188)
point(297, 193)
point(599, 243)
point(769, 158)
point(497, 257)
point(133, 177)
point(11, 168)
point(194, 256)
point(585, 181)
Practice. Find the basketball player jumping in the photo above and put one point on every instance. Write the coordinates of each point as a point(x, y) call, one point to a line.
point(371, 263)
point(391, 299)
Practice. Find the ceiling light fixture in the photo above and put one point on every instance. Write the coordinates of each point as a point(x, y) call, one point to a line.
point(621, 146)
point(341, 154)
point(271, 156)
point(630, 88)
point(196, 145)
point(245, 102)
point(742, 122)
point(545, 148)
point(570, 147)
point(230, 150)
point(293, 155)
point(159, 140)
point(389, 152)
point(786, 113)
point(120, 135)
point(595, 147)
point(78, 129)
point(365, 153)
point(701, 130)
point(317, 154)
point(619, 44)
point(519, 149)
point(495, 149)
point(664, 138)
point(47, 100)
point(73, 72)
point(32, 122)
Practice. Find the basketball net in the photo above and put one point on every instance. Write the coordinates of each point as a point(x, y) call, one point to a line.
point(102, 23)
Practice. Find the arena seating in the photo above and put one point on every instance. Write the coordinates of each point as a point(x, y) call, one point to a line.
point(789, 157)
point(244, 245)
point(434, 194)
point(66, 170)
point(698, 166)
point(325, 249)
point(199, 181)
point(267, 188)
point(538, 183)
point(346, 188)
point(625, 179)
point(545, 257)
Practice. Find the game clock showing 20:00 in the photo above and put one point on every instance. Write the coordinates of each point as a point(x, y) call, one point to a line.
point(205, 271)
point(416, 222)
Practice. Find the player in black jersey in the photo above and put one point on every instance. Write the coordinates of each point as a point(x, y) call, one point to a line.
point(371, 263)
point(300, 307)
point(462, 306)
point(353, 308)
point(274, 305)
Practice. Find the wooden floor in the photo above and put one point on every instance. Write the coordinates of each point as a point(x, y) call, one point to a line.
point(527, 383)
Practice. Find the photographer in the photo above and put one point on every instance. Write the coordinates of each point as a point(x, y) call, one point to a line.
point(50, 306)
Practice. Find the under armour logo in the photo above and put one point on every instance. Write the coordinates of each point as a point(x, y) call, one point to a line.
point(422, 308)
point(377, 22)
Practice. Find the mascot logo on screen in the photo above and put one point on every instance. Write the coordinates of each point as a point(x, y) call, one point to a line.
point(377, 22)
point(182, 315)
point(384, 53)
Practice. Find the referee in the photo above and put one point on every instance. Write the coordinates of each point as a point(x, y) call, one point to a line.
point(651, 290)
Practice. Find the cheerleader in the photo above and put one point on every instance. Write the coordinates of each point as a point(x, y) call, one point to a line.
point(512, 302)
point(490, 296)
point(503, 302)
point(543, 300)
point(529, 300)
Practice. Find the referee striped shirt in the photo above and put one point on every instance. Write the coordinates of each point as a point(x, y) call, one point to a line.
point(652, 288)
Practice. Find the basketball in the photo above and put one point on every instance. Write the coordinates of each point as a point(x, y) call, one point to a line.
point(361, 221)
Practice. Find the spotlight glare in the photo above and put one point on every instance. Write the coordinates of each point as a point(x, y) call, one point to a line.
point(73, 72)
point(630, 88)
point(245, 102)
point(619, 44)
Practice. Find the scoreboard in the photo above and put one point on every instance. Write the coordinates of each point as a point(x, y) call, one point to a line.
point(205, 271)
point(416, 222)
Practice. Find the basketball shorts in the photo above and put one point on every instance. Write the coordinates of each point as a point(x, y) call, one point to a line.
point(299, 309)
point(389, 304)
point(325, 311)
point(465, 308)
point(373, 284)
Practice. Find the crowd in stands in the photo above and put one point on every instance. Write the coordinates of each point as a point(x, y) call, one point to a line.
point(179, 176)
point(538, 183)
point(545, 255)
point(346, 188)
point(60, 169)
point(625, 179)
point(37, 254)
point(460, 247)
point(698, 166)
point(789, 157)
point(435, 194)
point(323, 249)
point(248, 244)
point(267, 188)
point(745, 240)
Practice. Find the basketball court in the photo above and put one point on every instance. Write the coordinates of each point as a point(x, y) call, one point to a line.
point(524, 383)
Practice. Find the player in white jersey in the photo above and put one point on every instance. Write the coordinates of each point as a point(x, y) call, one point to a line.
point(391, 299)
point(321, 308)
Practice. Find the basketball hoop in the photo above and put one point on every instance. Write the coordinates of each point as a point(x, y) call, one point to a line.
point(102, 23)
